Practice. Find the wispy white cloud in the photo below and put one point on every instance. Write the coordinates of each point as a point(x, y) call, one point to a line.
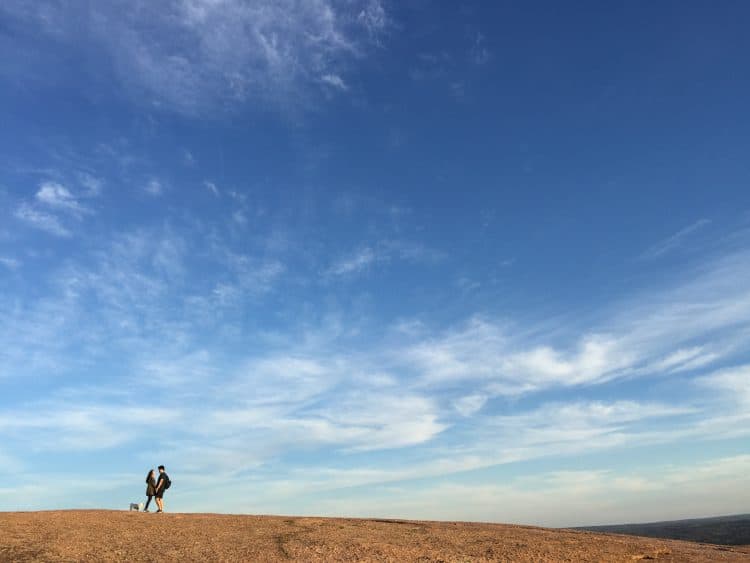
point(469, 404)
point(685, 359)
point(573, 422)
point(247, 274)
point(41, 220)
point(53, 202)
point(673, 242)
point(354, 263)
point(334, 80)
point(81, 426)
point(92, 184)
point(211, 187)
point(656, 333)
point(733, 382)
point(485, 351)
point(198, 55)
point(154, 187)
point(373, 17)
point(382, 252)
point(407, 420)
point(59, 197)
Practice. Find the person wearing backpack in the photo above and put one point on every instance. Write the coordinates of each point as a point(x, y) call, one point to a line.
point(162, 484)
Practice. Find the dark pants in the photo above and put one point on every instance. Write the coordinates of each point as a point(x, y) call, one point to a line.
point(148, 502)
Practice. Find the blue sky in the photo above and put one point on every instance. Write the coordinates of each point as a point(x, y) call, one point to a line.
point(481, 261)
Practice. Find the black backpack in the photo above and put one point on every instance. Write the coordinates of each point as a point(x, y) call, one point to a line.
point(167, 482)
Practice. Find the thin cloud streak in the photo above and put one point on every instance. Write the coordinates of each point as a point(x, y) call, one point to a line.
point(673, 242)
point(41, 220)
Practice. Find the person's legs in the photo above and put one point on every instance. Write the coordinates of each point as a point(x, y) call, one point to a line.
point(145, 508)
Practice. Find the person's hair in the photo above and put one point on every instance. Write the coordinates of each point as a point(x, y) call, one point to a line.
point(148, 476)
point(161, 468)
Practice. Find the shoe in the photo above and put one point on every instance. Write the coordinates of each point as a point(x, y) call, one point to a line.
point(158, 511)
point(145, 510)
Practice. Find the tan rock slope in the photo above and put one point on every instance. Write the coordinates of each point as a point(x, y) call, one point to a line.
point(98, 535)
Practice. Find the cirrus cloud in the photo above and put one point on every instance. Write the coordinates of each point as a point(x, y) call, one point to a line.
point(193, 56)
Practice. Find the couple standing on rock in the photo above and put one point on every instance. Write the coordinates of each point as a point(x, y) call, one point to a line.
point(156, 488)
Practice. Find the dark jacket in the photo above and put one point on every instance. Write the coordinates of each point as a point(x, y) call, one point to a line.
point(150, 487)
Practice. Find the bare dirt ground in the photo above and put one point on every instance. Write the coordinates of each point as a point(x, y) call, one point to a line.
point(100, 535)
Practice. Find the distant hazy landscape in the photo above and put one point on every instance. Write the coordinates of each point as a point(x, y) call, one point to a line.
point(726, 530)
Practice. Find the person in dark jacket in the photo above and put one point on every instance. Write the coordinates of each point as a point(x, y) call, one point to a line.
point(162, 484)
point(150, 488)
